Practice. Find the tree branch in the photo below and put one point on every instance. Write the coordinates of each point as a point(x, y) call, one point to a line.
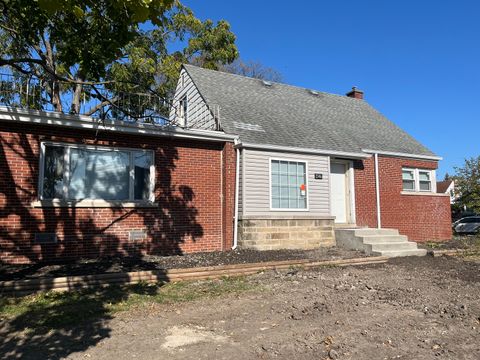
point(97, 107)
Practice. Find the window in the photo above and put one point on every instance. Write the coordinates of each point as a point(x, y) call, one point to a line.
point(408, 178)
point(418, 180)
point(288, 184)
point(424, 181)
point(81, 172)
point(183, 109)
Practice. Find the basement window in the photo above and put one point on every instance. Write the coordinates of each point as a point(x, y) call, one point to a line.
point(418, 180)
point(288, 185)
point(77, 172)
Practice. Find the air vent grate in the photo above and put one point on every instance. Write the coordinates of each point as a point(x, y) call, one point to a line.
point(46, 238)
point(246, 126)
point(136, 235)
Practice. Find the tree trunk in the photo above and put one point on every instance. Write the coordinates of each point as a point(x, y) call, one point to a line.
point(56, 97)
point(77, 96)
point(55, 89)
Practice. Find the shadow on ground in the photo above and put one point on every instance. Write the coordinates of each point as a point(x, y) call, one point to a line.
point(54, 325)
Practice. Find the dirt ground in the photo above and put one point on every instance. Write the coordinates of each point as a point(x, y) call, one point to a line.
point(408, 308)
point(152, 262)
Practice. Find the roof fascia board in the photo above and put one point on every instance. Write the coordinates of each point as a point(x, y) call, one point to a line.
point(351, 155)
point(89, 123)
point(403, 155)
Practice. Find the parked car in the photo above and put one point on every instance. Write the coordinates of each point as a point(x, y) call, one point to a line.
point(467, 225)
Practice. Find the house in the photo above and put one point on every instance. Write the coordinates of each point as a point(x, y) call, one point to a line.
point(240, 163)
point(75, 187)
point(447, 187)
point(312, 162)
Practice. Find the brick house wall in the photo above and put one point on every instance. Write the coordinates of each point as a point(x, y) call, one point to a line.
point(194, 191)
point(420, 217)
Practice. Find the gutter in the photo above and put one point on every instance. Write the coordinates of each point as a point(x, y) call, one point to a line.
point(237, 184)
point(404, 155)
point(89, 123)
point(377, 193)
point(350, 155)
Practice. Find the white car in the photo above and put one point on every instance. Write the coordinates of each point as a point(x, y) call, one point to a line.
point(467, 225)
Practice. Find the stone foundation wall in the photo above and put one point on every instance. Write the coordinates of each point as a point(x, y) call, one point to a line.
point(273, 234)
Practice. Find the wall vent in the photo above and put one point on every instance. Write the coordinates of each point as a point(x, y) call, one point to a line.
point(136, 235)
point(46, 238)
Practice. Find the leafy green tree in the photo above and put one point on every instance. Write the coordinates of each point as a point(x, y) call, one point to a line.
point(76, 46)
point(467, 184)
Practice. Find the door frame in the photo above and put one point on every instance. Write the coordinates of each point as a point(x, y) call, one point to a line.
point(349, 191)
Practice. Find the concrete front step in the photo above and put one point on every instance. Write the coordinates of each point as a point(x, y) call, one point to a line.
point(369, 231)
point(392, 246)
point(385, 242)
point(413, 252)
point(375, 239)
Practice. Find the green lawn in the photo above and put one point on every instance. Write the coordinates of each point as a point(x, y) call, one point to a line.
point(59, 309)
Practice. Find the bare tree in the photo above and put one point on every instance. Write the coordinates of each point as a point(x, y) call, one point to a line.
point(253, 69)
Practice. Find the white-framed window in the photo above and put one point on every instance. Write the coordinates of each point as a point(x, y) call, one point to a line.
point(77, 172)
point(183, 109)
point(418, 180)
point(288, 185)
point(408, 179)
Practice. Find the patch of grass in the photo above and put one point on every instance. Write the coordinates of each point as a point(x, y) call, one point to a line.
point(472, 246)
point(58, 309)
point(434, 245)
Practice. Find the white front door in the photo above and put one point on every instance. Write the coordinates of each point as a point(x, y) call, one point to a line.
point(338, 188)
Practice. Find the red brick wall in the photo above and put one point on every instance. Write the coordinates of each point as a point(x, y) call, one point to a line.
point(194, 190)
point(420, 217)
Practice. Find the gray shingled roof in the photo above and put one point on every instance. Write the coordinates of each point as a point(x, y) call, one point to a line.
point(293, 116)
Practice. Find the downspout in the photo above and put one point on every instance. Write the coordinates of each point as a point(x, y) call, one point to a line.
point(237, 184)
point(377, 192)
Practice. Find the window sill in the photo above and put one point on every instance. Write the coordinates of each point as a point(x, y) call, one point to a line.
point(422, 193)
point(93, 204)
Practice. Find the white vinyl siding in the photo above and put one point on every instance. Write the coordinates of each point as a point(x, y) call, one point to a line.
point(198, 114)
point(255, 182)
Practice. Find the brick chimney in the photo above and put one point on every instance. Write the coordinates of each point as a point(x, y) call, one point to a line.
point(355, 93)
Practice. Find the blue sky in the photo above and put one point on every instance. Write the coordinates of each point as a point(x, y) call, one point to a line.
point(417, 61)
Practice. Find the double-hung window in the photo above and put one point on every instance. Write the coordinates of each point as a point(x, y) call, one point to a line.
point(288, 185)
point(408, 179)
point(418, 180)
point(77, 172)
point(424, 180)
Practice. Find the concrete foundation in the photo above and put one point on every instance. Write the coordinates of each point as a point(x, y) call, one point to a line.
point(286, 233)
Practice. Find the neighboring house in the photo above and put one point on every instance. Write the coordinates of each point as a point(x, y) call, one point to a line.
point(242, 162)
point(447, 187)
point(311, 161)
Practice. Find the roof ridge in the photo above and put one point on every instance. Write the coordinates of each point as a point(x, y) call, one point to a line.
point(273, 82)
